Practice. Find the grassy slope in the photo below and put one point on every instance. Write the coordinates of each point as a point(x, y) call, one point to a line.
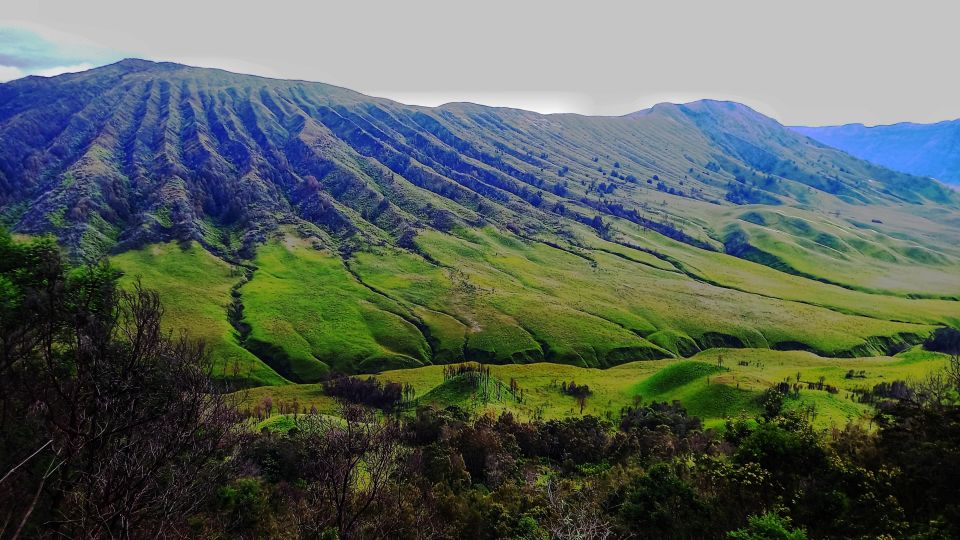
point(868, 256)
point(709, 391)
point(487, 295)
point(732, 272)
point(532, 301)
point(195, 290)
point(309, 314)
point(900, 248)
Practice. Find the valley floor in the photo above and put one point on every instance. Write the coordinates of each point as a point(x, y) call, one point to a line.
point(298, 311)
point(703, 328)
point(715, 385)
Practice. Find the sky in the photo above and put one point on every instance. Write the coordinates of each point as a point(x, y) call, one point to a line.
point(804, 63)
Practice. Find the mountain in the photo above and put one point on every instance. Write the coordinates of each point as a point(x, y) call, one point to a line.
point(923, 149)
point(300, 227)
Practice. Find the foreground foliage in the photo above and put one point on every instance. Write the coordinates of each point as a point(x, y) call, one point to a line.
point(446, 474)
point(108, 426)
point(111, 428)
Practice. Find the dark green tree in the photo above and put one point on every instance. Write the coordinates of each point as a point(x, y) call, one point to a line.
point(108, 425)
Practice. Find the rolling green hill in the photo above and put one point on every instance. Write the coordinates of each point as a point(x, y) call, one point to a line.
point(714, 393)
point(301, 228)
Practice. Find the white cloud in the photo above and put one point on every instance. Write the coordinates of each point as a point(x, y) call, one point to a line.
point(59, 70)
point(9, 73)
point(544, 102)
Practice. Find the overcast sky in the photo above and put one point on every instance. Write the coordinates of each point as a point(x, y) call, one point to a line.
point(809, 62)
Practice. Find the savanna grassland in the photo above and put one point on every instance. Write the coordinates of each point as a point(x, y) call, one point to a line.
point(113, 426)
point(238, 307)
point(716, 385)
point(304, 230)
point(534, 303)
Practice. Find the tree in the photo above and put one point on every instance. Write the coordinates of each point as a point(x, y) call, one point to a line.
point(660, 504)
point(580, 392)
point(347, 465)
point(947, 340)
point(108, 426)
point(772, 401)
point(787, 446)
point(919, 437)
point(575, 516)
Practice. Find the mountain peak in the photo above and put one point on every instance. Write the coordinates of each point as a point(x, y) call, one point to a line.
point(139, 151)
point(134, 63)
point(702, 106)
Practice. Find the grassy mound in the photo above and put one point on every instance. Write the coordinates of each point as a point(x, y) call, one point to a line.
point(705, 389)
point(669, 379)
point(719, 400)
point(455, 391)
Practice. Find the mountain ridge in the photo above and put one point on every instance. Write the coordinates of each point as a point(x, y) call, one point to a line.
point(715, 112)
point(649, 235)
point(924, 149)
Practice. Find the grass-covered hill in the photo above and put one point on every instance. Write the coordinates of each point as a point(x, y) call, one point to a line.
point(300, 227)
point(714, 385)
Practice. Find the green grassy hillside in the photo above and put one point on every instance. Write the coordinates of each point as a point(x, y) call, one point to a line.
point(195, 290)
point(318, 229)
point(489, 295)
point(708, 390)
point(308, 314)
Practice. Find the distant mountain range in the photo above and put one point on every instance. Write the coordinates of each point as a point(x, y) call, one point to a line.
point(319, 228)
point(923, 149)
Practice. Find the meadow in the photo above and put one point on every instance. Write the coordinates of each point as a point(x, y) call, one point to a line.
point(715, 385)
point(195, 288)
point(697, 253)
point(492, 296)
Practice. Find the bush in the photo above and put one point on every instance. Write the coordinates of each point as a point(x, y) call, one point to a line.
point(945, 340)
point(369, 391)
point(769, 526)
